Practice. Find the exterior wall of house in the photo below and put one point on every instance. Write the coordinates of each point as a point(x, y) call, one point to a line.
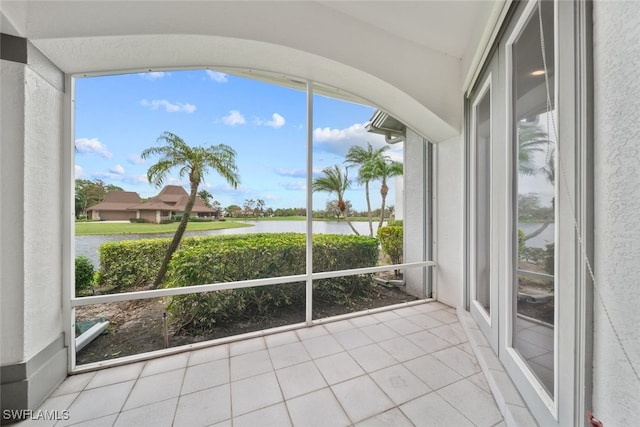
point(116, 215)
point(150, 216)
point(616, 387)
point(448, 221)
point(32, 356)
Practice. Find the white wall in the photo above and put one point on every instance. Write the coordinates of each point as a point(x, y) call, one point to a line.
point(449, 221)
point(42, 213)
point(616, 388)
point(11, 211)
point(31, 210)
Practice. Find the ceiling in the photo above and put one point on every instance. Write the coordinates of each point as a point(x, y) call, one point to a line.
point(409, 58)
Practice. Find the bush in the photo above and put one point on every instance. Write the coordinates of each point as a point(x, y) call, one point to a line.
point(257, 256)
point(137, 220)
point(84, 274)
point(395, 222)
point(391, 238)
point(215, 259)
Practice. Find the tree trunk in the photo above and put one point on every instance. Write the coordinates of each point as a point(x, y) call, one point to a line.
point(537, 232)
point(383, 192)
point(175, 242)
point(366, 192)
point(346, 218)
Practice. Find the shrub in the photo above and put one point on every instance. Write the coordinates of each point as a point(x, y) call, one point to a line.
point(391, 238)
point(214, 259)
point(84, 274)
point(395, 222)
point(137, 220)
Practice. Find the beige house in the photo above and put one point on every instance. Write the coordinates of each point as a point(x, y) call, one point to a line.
point(172, 200)
point(115, 206)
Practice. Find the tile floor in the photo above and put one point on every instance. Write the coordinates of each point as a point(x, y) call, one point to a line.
point(406, 367)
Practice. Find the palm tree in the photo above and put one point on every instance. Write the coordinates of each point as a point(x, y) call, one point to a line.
point(531, 139)
point(193, 162)
point(383, 169)
point(206, 197)
point(334, 181)
point(358, 156)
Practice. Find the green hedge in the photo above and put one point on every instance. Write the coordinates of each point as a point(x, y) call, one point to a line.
point(258, 256)
point(391, 237)
point(213, 259)
point(84, 274)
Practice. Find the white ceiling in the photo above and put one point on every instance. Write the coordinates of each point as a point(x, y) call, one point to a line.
point(405, 57)
point(440, 25)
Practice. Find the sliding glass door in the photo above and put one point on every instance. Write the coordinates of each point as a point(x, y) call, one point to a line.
point(528, 199)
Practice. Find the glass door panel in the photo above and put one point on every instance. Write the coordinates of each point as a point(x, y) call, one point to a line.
point(534, 194)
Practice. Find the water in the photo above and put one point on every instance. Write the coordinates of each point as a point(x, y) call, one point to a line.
point(88, 245)
point(542, 239)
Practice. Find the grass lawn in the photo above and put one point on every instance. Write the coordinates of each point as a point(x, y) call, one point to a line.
point(86, 228)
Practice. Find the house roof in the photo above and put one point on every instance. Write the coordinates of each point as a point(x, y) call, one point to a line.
point(171, 198)
point(116, 201)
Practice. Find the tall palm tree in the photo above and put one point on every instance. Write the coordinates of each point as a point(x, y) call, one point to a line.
point(334, 181)
point(383, 169)
point(531, 139)
point(358, 156)
point(194, 163)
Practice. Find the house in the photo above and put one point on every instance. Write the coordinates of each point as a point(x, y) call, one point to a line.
point(465, 78)
point(114, 207)
point(171, 201)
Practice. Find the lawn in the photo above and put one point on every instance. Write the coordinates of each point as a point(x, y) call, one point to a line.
point(87, 228)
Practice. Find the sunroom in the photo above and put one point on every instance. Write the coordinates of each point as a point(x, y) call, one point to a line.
point(518, 200)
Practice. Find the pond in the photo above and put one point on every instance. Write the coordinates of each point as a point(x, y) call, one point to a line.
point(88, 245)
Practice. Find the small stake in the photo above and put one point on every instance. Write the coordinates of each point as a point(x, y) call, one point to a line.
point(166, 331)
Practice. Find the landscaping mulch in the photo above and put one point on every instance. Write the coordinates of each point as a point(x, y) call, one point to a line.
point(137, 326)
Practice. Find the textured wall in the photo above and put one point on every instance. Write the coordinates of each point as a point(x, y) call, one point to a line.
point(449, 212)
point(11, 211)
point(616, 388)
point(42, 213)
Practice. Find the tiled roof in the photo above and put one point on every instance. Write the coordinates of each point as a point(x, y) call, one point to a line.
point(116, 200)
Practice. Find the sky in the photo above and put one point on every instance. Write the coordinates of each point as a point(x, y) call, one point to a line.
point(117, 117)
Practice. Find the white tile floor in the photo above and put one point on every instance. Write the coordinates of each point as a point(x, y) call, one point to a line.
point(407, 367)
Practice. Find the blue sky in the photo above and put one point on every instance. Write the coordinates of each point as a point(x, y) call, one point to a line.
point(117, 117)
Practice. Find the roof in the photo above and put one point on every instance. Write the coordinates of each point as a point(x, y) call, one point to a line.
point(171, 198)
point(116, 201)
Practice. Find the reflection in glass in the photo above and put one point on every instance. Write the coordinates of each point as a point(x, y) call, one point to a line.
point(482, 200)
point(534, 186)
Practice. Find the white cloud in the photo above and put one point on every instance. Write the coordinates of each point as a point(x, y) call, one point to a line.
point(276, 122)
point(338, 141)
point(92, 146)
point(153, 75)
point(169, 107)
point(135, 159)
point(294, 173)
point(217, 76)
point(234, 118)
point(79, 172)
point(117, 169)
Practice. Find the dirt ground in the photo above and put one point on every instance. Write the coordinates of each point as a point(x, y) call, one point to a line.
point(137, 326)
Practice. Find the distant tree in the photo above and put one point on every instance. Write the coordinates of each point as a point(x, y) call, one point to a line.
point(89, 193)
point(260, 204)
point(194, 163)
point(365, 159)
point(249, 207)
point(335, 181)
